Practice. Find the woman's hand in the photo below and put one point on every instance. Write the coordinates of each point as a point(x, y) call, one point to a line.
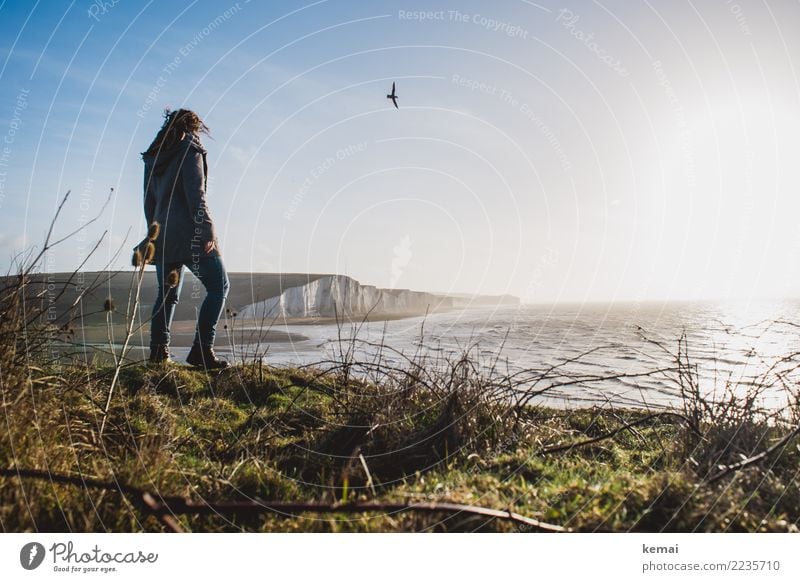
point(210, 246)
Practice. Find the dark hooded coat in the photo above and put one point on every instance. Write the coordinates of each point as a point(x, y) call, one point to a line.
point(175, 182)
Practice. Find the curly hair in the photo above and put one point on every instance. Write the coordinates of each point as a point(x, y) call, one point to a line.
point(175, 124)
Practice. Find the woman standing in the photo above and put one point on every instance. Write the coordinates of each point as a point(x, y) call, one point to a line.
point(175, 181)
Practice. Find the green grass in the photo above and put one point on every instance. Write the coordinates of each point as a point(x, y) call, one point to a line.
point(293, 435)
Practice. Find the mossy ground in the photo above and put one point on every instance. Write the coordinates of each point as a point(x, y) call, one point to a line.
point(255, 431)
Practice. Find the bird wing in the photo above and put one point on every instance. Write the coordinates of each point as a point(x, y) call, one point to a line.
point(392, 87)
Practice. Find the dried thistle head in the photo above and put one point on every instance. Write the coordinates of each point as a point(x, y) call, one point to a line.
point(108, 305)
point(136, 259)
point(150, 253)
point(173, 278)
point(153, 230)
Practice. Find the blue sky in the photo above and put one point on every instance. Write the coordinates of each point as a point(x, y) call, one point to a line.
point(557, 151)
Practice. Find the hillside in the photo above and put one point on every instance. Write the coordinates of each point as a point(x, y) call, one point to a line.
point(251, 294)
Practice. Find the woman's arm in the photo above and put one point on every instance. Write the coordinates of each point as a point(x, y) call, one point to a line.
point(149, 198)
point(194, 187)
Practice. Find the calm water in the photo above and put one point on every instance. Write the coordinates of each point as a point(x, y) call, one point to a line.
point(735, 342)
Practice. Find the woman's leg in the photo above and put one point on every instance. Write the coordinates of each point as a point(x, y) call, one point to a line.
point(164, 307)
point(211, 273)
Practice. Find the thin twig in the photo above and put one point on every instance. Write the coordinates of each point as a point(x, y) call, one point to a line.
point(613, 433)
point(169, 507)
point(728, 469)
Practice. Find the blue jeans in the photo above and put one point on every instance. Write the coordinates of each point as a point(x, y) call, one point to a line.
point(211, 273)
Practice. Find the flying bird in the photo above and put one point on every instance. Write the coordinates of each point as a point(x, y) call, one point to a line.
point(393, 97)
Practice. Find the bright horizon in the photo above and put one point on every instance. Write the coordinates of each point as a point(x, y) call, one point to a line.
point(575, 152)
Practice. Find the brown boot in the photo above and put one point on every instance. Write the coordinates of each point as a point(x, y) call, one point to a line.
point(204, 357)
point(159, 354)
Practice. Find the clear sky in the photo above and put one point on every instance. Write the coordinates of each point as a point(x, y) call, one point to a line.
point(569, 151)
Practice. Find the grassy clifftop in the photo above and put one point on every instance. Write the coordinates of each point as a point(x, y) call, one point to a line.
point(281, 434)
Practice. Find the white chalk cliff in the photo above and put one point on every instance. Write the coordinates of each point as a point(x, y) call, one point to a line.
point(340, 295)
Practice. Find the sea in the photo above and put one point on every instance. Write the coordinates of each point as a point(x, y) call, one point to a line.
point(623, 354)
